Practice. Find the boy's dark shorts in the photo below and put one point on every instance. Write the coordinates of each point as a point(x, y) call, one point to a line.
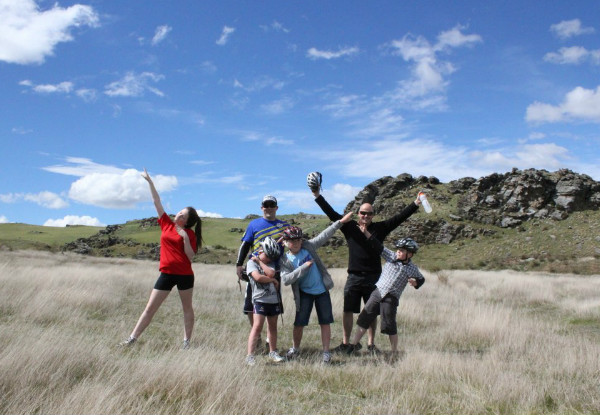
point(166, 282)
point(386, 306)
point(322, 303)
point(267, 309)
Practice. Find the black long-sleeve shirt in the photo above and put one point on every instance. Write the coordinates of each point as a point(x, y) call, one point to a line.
point(363, 260)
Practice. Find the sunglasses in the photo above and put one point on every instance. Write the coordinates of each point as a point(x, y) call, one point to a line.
point(269, 205)
point(365, 213)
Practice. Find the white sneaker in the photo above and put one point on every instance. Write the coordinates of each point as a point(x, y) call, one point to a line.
point(186, 344)
point(129, 342)
point(326, 357)
point(292, 353)
point(274, 356)
point(250, 360)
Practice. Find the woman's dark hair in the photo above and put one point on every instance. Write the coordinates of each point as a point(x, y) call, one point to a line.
point(194, 219)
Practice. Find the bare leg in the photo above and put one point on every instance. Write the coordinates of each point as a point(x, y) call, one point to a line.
point(297, 336)
point(358, 335)
point(394, 342)
point(259, 321)
point(272, 332)
point(347, 322)
point(156, 299)
point(325, 336)
point(372, 331)
point(188, 312)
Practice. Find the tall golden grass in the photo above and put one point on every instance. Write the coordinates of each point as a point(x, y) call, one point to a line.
point(473, 342)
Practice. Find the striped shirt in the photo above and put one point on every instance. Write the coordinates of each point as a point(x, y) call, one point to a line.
point(395, 275)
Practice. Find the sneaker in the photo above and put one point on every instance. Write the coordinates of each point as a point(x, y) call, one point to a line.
point(326, 358)
point(371, 348)
point(341, 348)
point(292, 353)
point(129, 342)
point(353, 348)
point(274, 356)
point(250, 360)
point(344, 346)
point(186, 344)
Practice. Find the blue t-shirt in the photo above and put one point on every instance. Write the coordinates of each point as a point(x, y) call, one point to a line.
point(312, 282)
point(258, 229)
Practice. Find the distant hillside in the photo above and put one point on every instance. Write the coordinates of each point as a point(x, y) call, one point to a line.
point(522, 220)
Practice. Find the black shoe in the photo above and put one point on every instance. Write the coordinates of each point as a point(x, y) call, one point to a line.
point(373, 350)
point(341, 348)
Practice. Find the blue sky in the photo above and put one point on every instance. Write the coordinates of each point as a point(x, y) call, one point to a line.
point(226, 101)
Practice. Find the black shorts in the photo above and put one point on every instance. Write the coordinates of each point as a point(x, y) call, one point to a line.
point(248, 306)
point(166, 282)
point(357, 288)
point(386, 306)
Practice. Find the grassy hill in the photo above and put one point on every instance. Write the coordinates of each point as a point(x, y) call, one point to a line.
point(571, 245)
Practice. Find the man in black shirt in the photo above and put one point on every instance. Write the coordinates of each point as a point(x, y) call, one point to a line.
point(364, 264)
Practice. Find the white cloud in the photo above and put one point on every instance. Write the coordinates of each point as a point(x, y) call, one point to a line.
point(160, 34)
point(428, 82)
point(65, 87)
point(315, 54)
point(573, 55)
point(74, 220)
point(109, 186)
point(279, 106)
point(80, 166)
point(134, 85)
point(21, 130)
point(570, 28)
point(117, 191)
point(446, 162)
point(579, 104)
point(204, 214)
point(28, 35)
point(225, 34)
point(4, 219)
point(46, 199)
point(337, 194)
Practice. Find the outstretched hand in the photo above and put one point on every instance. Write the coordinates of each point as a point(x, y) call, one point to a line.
point(146, 176)
point(347, 217)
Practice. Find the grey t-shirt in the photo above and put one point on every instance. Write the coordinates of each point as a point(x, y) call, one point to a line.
point(263, 293)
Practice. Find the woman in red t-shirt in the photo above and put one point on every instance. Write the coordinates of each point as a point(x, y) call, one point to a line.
point(178, 245)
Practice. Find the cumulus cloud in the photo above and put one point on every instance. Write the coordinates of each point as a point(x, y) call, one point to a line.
point(117, 191)
point(160, 34)
point(225, 34)
point(570, 28)
point(134, 85)
point(4, 219)
point(314, 53)
point(73, 220)
point(109, 186)
point(28, 35)
point(573, 55)
point(580, 104)
point(46, 199)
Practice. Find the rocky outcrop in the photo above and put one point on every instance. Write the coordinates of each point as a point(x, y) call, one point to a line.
point(475, 207)
point(509, 199)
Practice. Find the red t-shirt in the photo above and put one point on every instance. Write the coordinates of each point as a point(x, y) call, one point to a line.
point(173, 259)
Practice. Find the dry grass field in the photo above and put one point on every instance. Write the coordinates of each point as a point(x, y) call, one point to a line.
point(472, 342)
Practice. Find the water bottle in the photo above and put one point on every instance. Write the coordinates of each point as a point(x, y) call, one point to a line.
point(425, 202)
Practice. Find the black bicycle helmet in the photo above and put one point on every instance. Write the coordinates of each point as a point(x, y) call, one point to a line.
point(407, 243)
